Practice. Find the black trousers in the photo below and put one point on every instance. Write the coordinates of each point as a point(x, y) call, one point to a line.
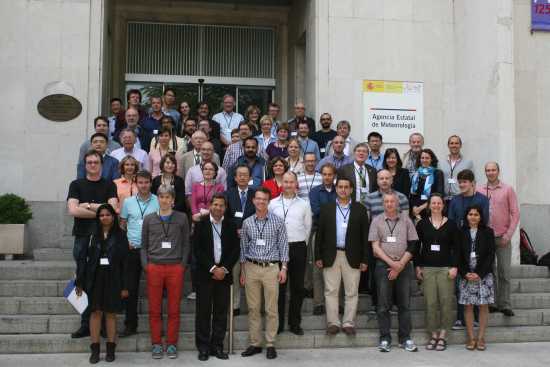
point(211, 314)
point(297, 254)
point(133, 274)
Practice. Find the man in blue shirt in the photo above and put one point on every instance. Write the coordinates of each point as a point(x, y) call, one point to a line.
point(376, 157)
point(308, 145)
point(255, 164)
point(337, 158)
point(151, 125)
point(319, 196)
point(109, 167)
point(134, 209)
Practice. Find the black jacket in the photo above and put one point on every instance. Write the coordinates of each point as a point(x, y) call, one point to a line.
point(485, 247)
point(117, 249)
point(203, 248)
point(348, 171)
point(357, 235)
point(402, 181)
point(234, 205)
point(180, 204)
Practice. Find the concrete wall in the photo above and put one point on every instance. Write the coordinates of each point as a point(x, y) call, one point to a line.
point(532, 96)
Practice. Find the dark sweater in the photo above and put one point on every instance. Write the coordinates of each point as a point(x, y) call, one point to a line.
point(448, 239)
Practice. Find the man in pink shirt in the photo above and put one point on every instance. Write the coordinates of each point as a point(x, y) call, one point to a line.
point(504, 219)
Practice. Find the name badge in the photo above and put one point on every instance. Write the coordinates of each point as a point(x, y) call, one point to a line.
point(238, 214)
point(345, 225)
point(251, 182)
point(365, 190)
point(103, 261)
point(140, 222)
point(166, 244)
point(391, 239)
point(323, 150)
point(435, 247)
point(294, 133)
point(423, 197)
point(227, 131)
point(260, 242)
point(451, 181)
point(155, 132)
point(472, 255)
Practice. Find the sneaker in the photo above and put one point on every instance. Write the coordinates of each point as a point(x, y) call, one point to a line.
point(458, 325)
point(476, 324)
point(192, 296)
point(384, 346)
point(172, 351)
point(409, 346)
point(157, 352)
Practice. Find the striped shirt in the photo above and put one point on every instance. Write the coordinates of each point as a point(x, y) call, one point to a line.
point(264, 239)
point(307, 182)
point(375, 203)
point(337, 162)
point(232, 154)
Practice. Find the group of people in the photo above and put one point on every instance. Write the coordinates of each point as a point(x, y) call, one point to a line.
point(277, 207)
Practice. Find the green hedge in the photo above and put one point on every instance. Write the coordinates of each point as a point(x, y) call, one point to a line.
point(14, 210)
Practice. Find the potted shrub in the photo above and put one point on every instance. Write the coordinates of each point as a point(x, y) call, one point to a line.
point(14, 214)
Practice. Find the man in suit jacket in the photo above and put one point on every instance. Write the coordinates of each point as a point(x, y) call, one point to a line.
point(360, 174)
point(216, 249)
point(193, 157)
point(341, 250)
point(239, 207)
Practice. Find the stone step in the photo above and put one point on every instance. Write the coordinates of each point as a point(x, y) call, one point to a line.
point(54, 288)
point(62, 343)
point(53, 254)
point(65, 324)
point(59, 306)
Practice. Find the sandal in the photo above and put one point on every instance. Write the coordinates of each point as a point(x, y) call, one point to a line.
point(432, 343)
point(441, 345)
point(481, 345)
point(471, 345)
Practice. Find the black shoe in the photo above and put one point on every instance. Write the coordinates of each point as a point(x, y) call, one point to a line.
point(271, 353)
point(251, 350)
point(236, 311)
point(296, 330)
point(127, 332)
point(203, 356)
point(81, 333)
point(219, 353)
point(507, 312)
point(94, 357)
point(319, 310)
point(110, 354)
point(103, 333)
point(493, 309)
point(341, 310)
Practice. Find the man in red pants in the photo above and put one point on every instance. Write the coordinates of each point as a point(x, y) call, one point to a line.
point(164, 252)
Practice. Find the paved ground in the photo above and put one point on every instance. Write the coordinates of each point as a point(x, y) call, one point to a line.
point(501, 355)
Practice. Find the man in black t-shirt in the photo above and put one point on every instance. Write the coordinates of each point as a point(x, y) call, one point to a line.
point(85, 196)
point(325, 134)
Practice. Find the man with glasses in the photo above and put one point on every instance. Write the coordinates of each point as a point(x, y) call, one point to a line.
point(194, 174)
point(325, 134)
point(101, 125)
point(85, 196)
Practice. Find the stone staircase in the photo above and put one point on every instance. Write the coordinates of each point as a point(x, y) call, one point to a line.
point(35, 318)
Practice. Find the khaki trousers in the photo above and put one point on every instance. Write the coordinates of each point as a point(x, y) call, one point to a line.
point(334, 275)
point(502, 272)
point(439, 298)
point(258, 278)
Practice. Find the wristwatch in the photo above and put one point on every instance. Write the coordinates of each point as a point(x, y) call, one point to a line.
point(89, 207)
point(284, 267)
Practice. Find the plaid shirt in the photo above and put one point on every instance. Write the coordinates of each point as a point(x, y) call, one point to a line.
point(232, 154)
point(272, 230)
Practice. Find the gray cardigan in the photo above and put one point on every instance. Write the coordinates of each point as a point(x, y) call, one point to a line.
point(153, 235)
point(452, 189)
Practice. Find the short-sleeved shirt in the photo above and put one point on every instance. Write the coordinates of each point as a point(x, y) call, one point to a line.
point(133, 211)
point(401, 229)
point(86, 191)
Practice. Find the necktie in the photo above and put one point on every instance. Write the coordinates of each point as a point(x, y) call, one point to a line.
point(197, 159)
point(243, 200)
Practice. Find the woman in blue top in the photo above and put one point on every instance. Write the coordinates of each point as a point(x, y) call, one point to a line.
point(426, 181)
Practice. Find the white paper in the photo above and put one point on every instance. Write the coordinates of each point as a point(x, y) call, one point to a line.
point(166, 244)
point(391, 239)
point(238, 214)
point(251, 182)
point(451, 181)
point(79, 303)
point(435, 248)
point(104, 261)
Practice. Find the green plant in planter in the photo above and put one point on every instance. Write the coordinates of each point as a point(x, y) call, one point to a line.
point(14, 210)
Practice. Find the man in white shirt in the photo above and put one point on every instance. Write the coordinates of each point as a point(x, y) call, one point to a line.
point(128, 139)
point(228, 119)
point(296, 214)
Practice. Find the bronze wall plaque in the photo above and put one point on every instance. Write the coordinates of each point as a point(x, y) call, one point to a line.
point(59, 107)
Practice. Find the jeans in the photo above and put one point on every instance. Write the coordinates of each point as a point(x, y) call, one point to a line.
point(80, 255)
point(401, 289)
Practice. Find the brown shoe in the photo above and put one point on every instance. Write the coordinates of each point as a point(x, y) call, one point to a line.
point(349, 330)
point(471, 344)
point(481, 345)
point(333, 330)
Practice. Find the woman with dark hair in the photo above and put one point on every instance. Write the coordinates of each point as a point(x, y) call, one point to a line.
point(277, 168)
point(279, 148)
point(436, 266)
point(202, 192)
point(401, 179)
point(102, 277)
point(425, 181)
point(168, 168)
point(252, 116)
point(475, 265)
point(160, 146)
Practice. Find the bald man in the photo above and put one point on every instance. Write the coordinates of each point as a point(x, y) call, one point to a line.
point(300, 115)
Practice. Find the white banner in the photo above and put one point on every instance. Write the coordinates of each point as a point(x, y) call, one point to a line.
point(394, 109)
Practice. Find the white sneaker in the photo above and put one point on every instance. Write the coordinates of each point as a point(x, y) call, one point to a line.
point(409, 346)
point(192, 296)
point(458, 325)
point(384, 346)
